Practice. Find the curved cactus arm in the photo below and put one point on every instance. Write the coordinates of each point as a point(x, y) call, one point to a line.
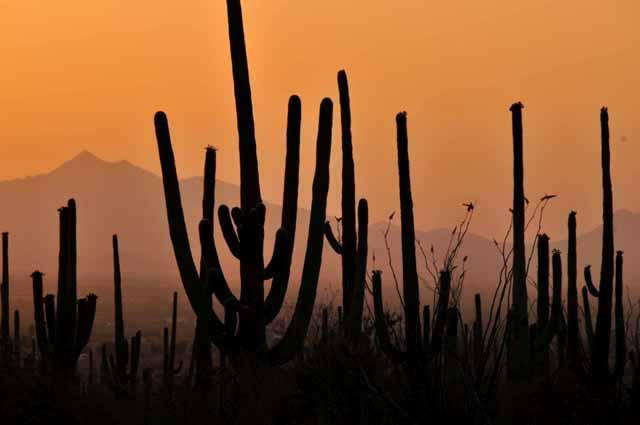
point(293, 340)
point(39, 317)
point(588, 322)
point(175, 213)
point(589, 283)
point(280, 249)
point(86, 317)
point(381, 325)
point(354, 325)
point(331, 238)
point(218, 283)
point(278, 269)
point(229, 233)
point(283, 253)
point(621, 342)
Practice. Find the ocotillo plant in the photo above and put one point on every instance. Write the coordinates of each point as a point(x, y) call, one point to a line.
point(353, 246)
point(169, 353)
point(247, 238)
point(518, 367)
point(4, 300)
point(415, 349)
point(124, 368)
point(604, 293)
point(67, 328)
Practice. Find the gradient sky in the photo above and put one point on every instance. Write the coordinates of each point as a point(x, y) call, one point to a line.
point(80, 75)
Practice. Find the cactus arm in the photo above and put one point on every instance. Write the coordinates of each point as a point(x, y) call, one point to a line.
point(293, 340)
point(86, 317)
point(278, 269)
point(331, 238)
point(218, 284)
point(175, 213)
point(283, 253)
point(249, 177)
point(621, 343)
point(229, 233)
point(278, 259)
point(543, 282)
point(135, 357)
point(354, 325)
point(589, 283)
point(4, 294)
point(381, 325)
point(588, 322)
point(38, 315)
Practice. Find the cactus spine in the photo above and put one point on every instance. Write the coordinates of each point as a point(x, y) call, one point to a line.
point(354, 258)
point(67, 328)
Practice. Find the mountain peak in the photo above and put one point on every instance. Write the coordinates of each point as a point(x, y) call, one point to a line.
point(86, 157)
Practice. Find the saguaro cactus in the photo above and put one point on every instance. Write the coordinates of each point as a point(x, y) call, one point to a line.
point(519, 328)
point(604, 293)
point(124, 368)
point(573, 336)
point(354, 258)
point(67, 328)
point(5, 337)
point(169, 351)
point(415, 348)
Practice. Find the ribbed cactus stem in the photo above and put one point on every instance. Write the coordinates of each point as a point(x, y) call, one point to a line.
point(519, 337)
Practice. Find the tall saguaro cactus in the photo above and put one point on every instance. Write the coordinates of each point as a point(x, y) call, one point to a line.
point(353, 247)
point(604, 293)
point(433, 341)
point(573, 335)
point(519, 337)
point(63, 330)
point(127, 358)
point(4, 300)
point(244, 326)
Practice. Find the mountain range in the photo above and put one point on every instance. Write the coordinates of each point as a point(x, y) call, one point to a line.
point(119, 197)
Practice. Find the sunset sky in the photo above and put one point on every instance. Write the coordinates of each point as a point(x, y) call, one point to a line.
point(78, 75)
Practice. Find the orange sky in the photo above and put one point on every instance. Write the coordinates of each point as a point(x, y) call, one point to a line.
point(89, 75)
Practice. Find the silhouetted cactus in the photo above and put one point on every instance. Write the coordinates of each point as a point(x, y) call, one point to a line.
point(124, 367)
point(5, 336)
point(244, 231)
point(169, 370)
point(519, 337)
point(573, 334)
point(604, 293)
point(17, 338)
point(67, 328)
point(416, 349)
point(353, 246)
point(542, 356)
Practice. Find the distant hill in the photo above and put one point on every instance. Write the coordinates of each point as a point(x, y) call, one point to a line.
point(118, 197)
